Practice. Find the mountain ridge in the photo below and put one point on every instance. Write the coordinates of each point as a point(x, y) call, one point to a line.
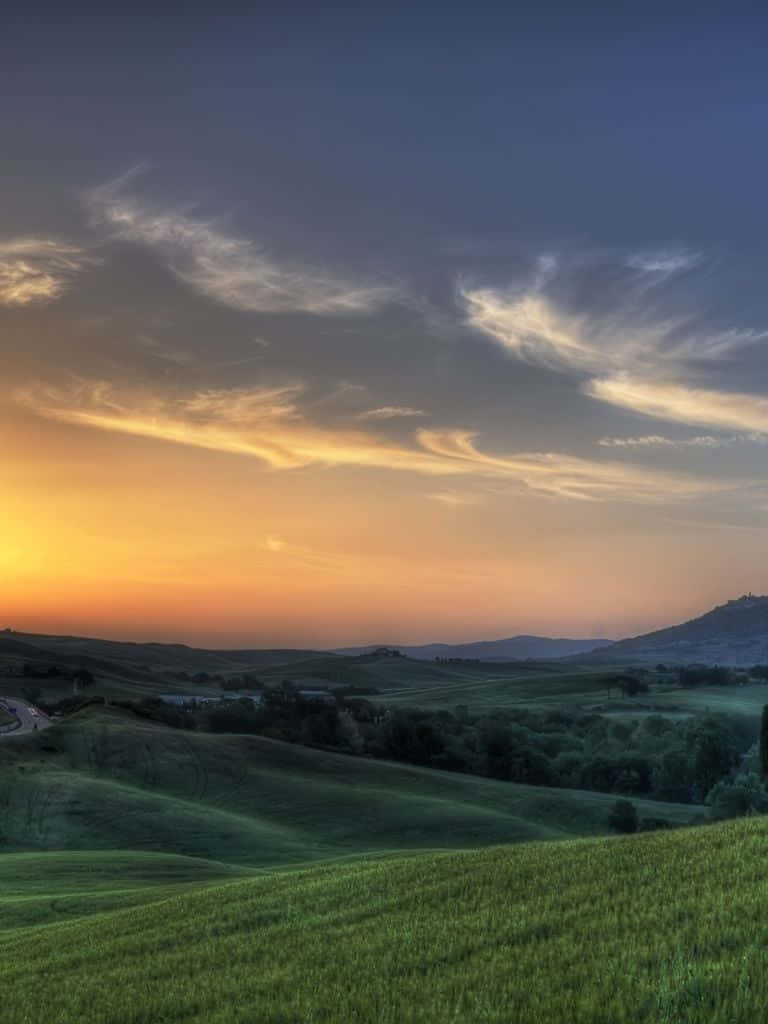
point(733, 633)
point(513, 648)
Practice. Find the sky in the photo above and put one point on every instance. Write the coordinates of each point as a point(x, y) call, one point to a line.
point(380, 323)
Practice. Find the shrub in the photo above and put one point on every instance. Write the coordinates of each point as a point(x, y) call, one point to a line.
point(623, 816)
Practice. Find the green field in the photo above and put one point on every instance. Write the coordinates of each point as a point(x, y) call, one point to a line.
point(748, 700)
point(41, 888)
point(152, 874)
point(665, 927)
point(144, 670)
point(489, 687)
point(104, 779)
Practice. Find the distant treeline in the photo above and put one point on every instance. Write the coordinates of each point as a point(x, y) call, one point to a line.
point(704, 757)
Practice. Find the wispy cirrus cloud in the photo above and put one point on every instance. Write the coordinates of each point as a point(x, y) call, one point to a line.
point(660, 441)
point(37, 270)
point(530, 325)
point(699, 441)
point(457, 499)
point(390, 412)
point(623, 354)
point(679, 403)
point(267, 424)
point(234, 271)
point(664, 261)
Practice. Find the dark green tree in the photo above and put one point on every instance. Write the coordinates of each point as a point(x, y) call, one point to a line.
point(81, 678)
point(764, 743)
point(623, 816)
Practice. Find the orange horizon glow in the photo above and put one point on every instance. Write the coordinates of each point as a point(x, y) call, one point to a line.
point(136, 539)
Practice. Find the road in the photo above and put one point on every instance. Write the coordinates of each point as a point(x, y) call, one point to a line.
point(32, 719)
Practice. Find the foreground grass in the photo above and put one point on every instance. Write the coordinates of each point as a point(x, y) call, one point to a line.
point(662, 928)
point(38, 888)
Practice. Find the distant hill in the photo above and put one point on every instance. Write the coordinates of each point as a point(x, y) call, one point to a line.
point(513, 648)
point(132, 658)
point(734, 633)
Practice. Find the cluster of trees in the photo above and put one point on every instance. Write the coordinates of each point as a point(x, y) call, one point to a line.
point(654, 756)
point(80, 678)
point(246, 681)
point(709, 675)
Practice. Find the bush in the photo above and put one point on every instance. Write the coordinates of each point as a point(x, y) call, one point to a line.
point(744, 795)
point(623, 816)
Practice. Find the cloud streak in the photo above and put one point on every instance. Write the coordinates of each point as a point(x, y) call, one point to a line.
point(457, 499)
point(233, 271)
point(390, 412)
point(664, 262)
point(267, 424)
point(623, 356)
point(659, 441)
point(680, 404)
point(37, 270)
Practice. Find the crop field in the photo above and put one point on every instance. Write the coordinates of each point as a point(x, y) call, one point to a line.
point(106, 780)
point(39, 888)
point(651, 929)
point(494, 689)
point(746, 700)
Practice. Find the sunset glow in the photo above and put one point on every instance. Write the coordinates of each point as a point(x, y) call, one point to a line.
point(390, 375)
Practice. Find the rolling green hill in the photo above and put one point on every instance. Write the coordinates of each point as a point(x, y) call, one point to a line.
point(651, 929)
point(138, 669)
point(146, 670)
point(104, 779)
point(40, 888)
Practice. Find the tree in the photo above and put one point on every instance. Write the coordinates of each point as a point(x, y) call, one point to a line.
point(623, 816)
point(744, 795)
point(712, 755)
point(764, 743)
point(630, 686)
point(82, 677)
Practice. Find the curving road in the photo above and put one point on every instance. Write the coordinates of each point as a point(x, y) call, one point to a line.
point(31, 718)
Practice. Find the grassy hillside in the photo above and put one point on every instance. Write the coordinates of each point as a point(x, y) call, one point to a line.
point(507, 686)
point(748, 700)
point(653, 929)
point(106, 780)
point(136, 669)
point(734, 633)
point(38, 888)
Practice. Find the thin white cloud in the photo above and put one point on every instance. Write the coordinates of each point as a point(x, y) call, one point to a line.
point(37, 270)
point(664, 262)
point(267, 424)
point(233, 271)
point(629, 359)
point(530, 326)
point(660, 441)
point(677, 403)
point(457, 498)
point(390, 412)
